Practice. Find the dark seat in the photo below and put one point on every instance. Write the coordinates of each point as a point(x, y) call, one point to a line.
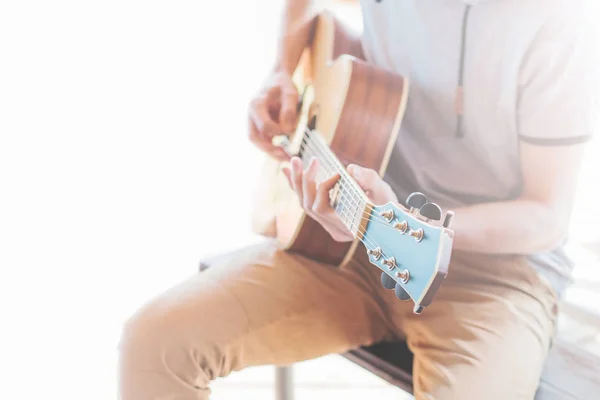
point(570, 373)
point(393, 362)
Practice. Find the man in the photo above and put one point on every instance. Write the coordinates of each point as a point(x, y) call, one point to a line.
point(507, 165)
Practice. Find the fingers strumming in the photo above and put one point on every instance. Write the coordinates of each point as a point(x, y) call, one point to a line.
point(265, 145)
point(266, 126)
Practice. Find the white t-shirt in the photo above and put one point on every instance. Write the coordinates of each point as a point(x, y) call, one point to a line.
point(529, 72)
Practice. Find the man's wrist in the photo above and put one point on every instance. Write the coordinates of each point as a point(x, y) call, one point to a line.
point(284, 67)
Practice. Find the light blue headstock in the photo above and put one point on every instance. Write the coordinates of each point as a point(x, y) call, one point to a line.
point(411, 246)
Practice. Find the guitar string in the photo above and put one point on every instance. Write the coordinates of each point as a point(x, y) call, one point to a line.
point(324, 152)
point(357, 204)
point(360, 200)
point(365, 206)
point(348, 179)
point(348, 206)
point(344, 189)
point(324, 149)
point(317, 142)
point(367, 240)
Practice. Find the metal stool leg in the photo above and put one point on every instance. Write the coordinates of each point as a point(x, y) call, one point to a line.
point(284, 386)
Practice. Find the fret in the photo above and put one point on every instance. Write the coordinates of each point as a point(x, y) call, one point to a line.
point(357, 213)
point(349, 219)
point(340, 209)
point(353, 209)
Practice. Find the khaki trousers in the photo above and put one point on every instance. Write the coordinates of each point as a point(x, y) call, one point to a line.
point(485, 337)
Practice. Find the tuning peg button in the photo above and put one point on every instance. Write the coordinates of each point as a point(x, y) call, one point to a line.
point(376, 253)
point(387, 281)
point(388, 215)
point(431, 211)
point(404, 275)
point(401, 226)
point(401, 293)
point(416, 200)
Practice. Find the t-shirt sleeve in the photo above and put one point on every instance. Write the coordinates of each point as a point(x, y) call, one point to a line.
point(559, 89)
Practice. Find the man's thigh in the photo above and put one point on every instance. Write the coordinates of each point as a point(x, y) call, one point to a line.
point(487, 334)
point(255, 306)
point(283, 308)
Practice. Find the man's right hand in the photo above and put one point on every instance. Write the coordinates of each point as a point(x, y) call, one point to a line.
point(272, 112)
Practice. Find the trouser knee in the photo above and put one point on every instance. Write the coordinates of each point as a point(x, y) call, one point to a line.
point(158, 343)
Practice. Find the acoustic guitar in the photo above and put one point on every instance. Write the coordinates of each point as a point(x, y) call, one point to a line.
point(350, 112)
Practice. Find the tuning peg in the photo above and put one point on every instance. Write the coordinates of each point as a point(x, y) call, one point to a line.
point(387, 281)
point(448, 219)
point(416, 200)
point(401, 293)
point(431, 211)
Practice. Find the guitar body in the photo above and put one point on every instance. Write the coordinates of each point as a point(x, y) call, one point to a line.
point(357, 108)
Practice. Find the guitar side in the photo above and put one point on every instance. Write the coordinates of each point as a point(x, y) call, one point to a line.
point(358, 110)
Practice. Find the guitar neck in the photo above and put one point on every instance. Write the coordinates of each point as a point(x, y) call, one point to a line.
point(347, 198)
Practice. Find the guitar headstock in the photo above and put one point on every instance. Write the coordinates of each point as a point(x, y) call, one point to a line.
point(412, 246)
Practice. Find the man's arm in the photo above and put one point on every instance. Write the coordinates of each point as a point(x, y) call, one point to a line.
point(294, 33)
point(272, 111)
point(557, 112)
point(538, 219)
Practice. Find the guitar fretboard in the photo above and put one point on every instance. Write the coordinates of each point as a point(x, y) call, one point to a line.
point(349, 200)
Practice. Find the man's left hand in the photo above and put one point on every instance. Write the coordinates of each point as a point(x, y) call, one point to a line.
point(314, 197)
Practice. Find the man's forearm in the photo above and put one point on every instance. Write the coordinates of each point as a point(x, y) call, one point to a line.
point(514, 227)
point(294, 33)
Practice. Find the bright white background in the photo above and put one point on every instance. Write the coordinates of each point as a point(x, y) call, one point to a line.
point(123, 161)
